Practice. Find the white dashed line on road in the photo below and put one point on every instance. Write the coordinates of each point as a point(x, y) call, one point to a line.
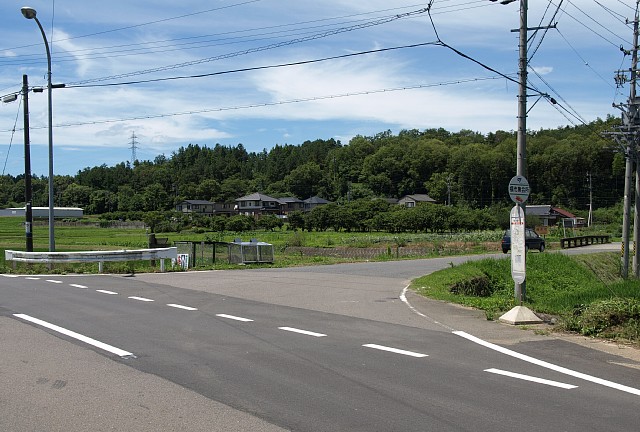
point(140, 299)
point(54, 281)
point(78, 336)
point(233, 317)
point(189, 308)
point(395, 350)
point(78, 286)
point(107, 292)
point(304, 332)
point(32, 278)
point(531, 378)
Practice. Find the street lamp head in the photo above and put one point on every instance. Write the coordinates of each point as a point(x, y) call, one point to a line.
point(28, 12)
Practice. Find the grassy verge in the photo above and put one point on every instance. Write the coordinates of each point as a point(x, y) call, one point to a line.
point(583, 292)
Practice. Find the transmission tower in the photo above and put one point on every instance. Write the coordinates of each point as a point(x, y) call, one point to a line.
point(134, 147)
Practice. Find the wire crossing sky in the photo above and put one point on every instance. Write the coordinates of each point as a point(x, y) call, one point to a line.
point(266, 72)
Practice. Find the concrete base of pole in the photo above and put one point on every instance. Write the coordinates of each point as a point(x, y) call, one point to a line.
point(520, 315)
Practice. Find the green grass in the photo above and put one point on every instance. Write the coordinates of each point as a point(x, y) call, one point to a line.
point(579, 290)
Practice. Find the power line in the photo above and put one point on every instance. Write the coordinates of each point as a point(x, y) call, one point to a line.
point(269, 104)
point(303, 62)
point(258, 49)
point(154, 44)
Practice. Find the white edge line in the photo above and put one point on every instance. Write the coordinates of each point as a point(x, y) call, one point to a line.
point(395, 350)
point(107, 292)
point(548, 365)
point(78, 336)
point(10, 275)
point(189, 308)
point(531, 378)
point(403, 298)
point(304, 332)
point(233, 317)
point(140, 299)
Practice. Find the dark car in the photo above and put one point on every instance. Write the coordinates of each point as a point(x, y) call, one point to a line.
point(531, 240)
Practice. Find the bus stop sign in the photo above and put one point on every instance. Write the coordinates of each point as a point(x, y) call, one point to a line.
point(519, 189)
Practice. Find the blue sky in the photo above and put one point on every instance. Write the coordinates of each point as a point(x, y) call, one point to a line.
point(420, 87)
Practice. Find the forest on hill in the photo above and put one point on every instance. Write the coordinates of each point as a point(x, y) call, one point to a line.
point(462, 168)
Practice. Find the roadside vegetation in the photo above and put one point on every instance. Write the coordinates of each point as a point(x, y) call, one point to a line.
point(582, 294)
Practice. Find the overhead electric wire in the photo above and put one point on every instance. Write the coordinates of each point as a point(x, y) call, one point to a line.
point(153, 44)
point(586, 63)
point(590, 28)
point(269, 104)
point(621, 18)
point(546, 30)
point(256, 49)
point(255, 68)
point(144, 24)
point(13, 132)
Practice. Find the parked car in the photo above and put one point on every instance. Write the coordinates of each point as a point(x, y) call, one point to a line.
point(531, 241)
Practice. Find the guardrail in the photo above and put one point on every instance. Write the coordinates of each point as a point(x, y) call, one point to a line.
point(90, 256)
point(571, 242)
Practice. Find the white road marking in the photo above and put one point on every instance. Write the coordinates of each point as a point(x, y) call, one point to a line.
point(140, 299)
point(10, 275)
point(107, 292)
point(395, 350)
point(78, 336)
point(304, 332)
point(403, 298)
point(531, 378)
point(78, 286)
point(189, 308)
point(233, 317)
point(32, 278)
point(548, 365)
point(54, 281)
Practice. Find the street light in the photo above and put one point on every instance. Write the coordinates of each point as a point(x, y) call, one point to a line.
point(30, 13)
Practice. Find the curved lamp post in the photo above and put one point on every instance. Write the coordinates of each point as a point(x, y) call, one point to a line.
point(30, 13)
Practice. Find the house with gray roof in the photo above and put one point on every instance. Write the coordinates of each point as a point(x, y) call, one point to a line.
point(415, 199)
point(257, 204)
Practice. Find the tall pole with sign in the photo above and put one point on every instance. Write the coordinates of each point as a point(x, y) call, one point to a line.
point(520, 314)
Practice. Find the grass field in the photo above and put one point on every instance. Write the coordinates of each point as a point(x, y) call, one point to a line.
point(585, 292)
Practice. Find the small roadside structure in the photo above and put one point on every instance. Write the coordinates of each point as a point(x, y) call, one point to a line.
point(250, 252)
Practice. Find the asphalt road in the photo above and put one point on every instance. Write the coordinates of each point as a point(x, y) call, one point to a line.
point(330, 348)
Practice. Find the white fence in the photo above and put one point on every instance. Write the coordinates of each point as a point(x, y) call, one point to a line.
point(98, 256)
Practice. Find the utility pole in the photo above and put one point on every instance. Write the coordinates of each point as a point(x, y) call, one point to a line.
point(626, 136)
point(28, 211)
point(521, 145)
point(590, 218)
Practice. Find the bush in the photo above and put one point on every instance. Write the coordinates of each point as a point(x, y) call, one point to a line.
point(612, 318)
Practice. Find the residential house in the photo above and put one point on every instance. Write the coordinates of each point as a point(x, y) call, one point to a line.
point(258, 204)
point(226, 208)
point(551, 216)
point(290, 204)
point(202, 207)
point(413, 200)
point(313, 202)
